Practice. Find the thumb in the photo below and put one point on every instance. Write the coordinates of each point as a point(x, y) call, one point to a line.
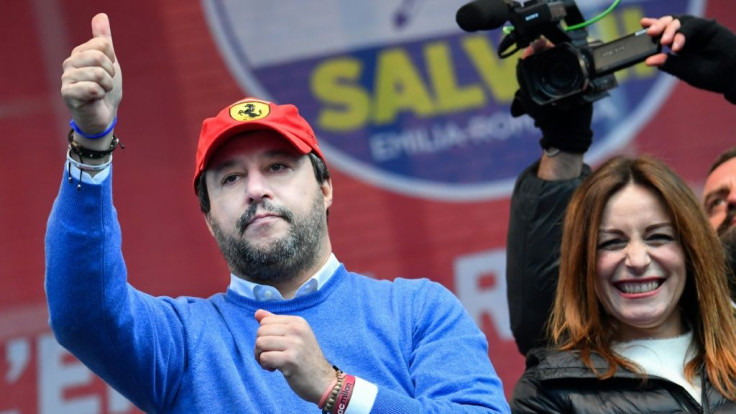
point(101, 26)
point(261, 313)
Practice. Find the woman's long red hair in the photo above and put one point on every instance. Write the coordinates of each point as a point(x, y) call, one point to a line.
point(578, 321)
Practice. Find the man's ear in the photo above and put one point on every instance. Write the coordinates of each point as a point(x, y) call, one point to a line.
point(326, 188)
point(209, 226)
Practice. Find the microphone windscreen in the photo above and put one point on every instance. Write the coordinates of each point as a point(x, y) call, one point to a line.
point(482, 15)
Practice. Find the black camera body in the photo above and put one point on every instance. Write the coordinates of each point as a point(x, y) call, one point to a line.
point(575, 67)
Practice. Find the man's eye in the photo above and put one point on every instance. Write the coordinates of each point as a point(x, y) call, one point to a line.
point(277, 167)
point(715, 204)
point(229, 179)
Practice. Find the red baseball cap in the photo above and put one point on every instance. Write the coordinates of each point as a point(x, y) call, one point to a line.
point(248, 115)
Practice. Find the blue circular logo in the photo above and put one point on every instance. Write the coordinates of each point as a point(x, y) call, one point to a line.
point(401, 98)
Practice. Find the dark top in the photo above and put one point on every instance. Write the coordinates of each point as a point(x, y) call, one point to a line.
point(559, 382)
point(533, 252)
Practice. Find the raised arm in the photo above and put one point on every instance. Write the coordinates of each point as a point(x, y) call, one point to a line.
point(538, 205)
point(130, 339)
point(702, 52)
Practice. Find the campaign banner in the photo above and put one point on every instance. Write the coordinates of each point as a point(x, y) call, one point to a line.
point(400, 97)
point(412, 114)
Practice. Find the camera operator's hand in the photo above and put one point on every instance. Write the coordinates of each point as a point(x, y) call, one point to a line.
point(565, 124)
point(703, 52)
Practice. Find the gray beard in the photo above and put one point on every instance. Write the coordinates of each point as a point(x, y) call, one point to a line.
point(284, 259)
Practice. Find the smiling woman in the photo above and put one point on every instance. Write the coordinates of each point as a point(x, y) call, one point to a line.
point(640, 265)
point(642, 321)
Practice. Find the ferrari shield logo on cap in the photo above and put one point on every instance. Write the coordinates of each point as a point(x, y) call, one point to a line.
point(249, 111)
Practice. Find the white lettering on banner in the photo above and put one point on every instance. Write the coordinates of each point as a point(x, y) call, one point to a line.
point(445, 136)
point(55, 376)
point(17, 355)
point(116, 403)
point(37, 375)
point(440, 137)
point(480, 284)
point(58, 373)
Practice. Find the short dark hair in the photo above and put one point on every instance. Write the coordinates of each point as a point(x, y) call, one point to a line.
point(725, 156)
point(321, 173)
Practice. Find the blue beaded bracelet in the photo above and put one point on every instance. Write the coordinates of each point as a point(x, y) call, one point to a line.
point(76, 129)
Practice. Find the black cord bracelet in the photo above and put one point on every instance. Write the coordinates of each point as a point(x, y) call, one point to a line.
point(83, 152)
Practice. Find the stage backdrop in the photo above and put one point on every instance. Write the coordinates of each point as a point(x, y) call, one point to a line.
point(412, 113)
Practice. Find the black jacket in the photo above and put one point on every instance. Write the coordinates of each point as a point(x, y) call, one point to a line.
point(559, 382)
point(533, 252)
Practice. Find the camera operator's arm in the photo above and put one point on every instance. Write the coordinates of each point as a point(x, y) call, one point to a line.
point(538, 204)
point(560, 166)
point(703, 52)
point(566, 133)
point(532, 249)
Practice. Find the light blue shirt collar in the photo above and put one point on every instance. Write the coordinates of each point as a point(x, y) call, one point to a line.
point(265, 293)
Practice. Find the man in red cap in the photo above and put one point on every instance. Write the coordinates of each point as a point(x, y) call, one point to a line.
point(295, 332)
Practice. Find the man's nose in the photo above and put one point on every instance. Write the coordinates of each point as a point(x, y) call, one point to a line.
point(731, 199)
point(257, 187)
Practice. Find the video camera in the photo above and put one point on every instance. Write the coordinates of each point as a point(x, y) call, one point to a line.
point(574, 67)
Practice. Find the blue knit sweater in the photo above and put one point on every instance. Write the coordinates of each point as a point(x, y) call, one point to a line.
point(412, 338)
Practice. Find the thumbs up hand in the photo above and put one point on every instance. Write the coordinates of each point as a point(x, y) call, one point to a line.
point(92, 82)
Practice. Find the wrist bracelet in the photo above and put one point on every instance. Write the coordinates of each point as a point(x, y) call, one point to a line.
point(332, 399)
point(344, 395)
point(83, 152)
point(75, 127)
point(87, 167)
point(330, 388)
point(551, 151)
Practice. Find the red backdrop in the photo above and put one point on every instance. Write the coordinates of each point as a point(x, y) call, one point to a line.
point(174, 77)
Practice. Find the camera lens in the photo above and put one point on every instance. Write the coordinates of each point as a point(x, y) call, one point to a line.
point(560, 74)
point(560, 78)
point(555, 73)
